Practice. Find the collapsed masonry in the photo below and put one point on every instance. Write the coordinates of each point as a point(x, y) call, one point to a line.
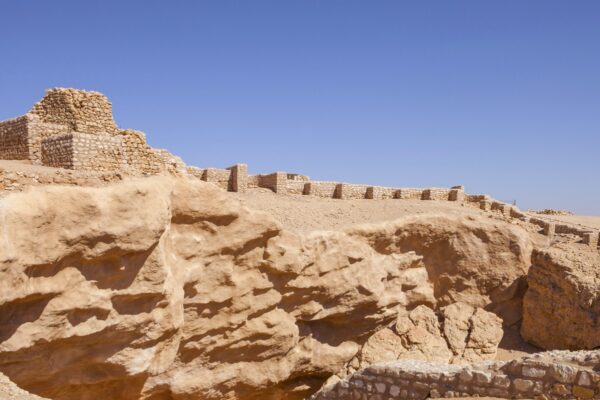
point(75, 129)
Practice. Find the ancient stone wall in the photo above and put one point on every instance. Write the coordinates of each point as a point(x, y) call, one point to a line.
point(276, 181)
point(14, 139)
point(58, 151)
point(79, 110)
point(219, 177)
point(39, 131)
point(138, 155)
point(239, 178)
point(557, 375)
point(83, 151)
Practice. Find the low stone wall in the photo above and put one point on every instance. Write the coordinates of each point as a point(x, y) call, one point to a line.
point(555, 375)
point(436, 194)
point(321, 189)
point(350, 191)
point(410, 194)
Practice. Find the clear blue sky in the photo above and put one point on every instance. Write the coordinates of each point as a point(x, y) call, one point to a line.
point(501, 96)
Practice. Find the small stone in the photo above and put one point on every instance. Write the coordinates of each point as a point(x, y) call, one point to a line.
point(465, 376)
point(563, 373)
point(502, 381)
point(560, 389)
point(523, 385)
point(584, 379)
point(394, 390)
point(532, 372)
point(482, 377)
point(582, 393)
point(380, 387)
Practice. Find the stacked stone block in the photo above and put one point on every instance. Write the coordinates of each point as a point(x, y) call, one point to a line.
point(436, 194)
point(80, 111)
point(555, 375)
point(138, 156)
point(238, 178)
point(321, 189)
point(410, 194)
point(276, 181)
point(219, 177)
point(296, 187)
point(82, 151)
point(349, 191)
point(14, 139)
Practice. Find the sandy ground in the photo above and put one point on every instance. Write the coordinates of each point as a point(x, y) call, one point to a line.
point(306, 213)
point(581, 220)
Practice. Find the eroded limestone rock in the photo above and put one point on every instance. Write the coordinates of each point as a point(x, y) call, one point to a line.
point(561, 308)
point(162, 288)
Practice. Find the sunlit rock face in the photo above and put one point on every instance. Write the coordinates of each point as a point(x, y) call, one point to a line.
point(164, 288)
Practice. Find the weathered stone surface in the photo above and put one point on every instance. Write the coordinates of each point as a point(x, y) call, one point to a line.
point(10, 391)
point(162, 287)
point(465, 334)
point(561, 307)
point(476, 261)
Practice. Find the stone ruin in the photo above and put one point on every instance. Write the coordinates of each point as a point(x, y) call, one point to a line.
point(75, 129)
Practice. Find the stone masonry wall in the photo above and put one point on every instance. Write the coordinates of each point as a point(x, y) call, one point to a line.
point(80, 111)
point(555, 375)
point(14, 139)
point(58, 151)
point(139, 157)
point(82, 151)
point(39, 131)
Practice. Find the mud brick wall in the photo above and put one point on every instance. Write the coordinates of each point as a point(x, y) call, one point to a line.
point(14, 139)
point(80, 111)
point(555, 376)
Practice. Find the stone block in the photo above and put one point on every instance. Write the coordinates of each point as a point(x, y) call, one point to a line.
point(239, 178)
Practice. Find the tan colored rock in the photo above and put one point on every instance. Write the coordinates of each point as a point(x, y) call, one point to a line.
point(465, 334)
point(165, 288)
point(472, 334)
point(10, 391)
point(477, 261)
point(421, 336)
point(561, 307)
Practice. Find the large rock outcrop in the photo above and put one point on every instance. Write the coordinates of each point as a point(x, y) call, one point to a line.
point(561, 308)
point(477, 261)
point(160, 288)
